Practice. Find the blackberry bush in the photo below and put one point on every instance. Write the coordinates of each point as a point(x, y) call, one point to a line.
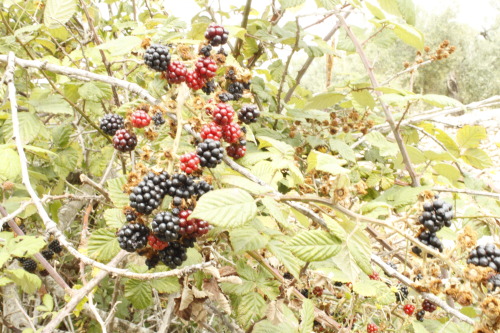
point(210, 153)
point(133, 236)
point(111, 123)
point(157, 57)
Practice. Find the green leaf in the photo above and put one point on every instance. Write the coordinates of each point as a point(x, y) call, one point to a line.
point(166, 285)
point(28, 282)
point(447, 170)
point(266, 326)
point(115, 188)
point(103, 245)
point(114, 218)
point(362, 99)
point(227, 208)
point(390, 6)
point(244, 183)
point(4, 281)
point(440, 100)
point(25, 246)
point(29, 125)
point(478, 158)
point(48, 304)
point(377, 12)
point(306, 316)
point(234, 31)
point(53, 104)
point(9, 171)
point(324, 101)
point(407, 9)
point(251, 308)
point(385, 296)
point(314, 245)
point(280, 146)
point(367, 288)
point(409, 35)
point(121, 46)
point(325, 162)
point(4, 257)
point(279, 212)
point(285, 4)
point(247, 239)
point(386, 148)
point(343, 149)
point(448, 142)
point(285, 256)
point(138, 292)
point(470, 136)
point(95, 91)
point(418, 327)
point(327, 4)
point(58, 12)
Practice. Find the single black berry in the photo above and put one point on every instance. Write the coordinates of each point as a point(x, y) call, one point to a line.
point(173, 255)
point(205, 50)
point(304, 293)
point(236, 89)
point(210, 153)
point(157, 57)
point(29, 265)
point(149, 193)
point(48, 254)
point(133, 236)
point(55, 246)
point(288, 276)
point(225, 97)
point(158, 119)
point(248, 114)
point(111, 123)
point(130, 217)
point(420, 315)
point(165, 226)
point(123, 140)
point(209, 87)
point(152, 261)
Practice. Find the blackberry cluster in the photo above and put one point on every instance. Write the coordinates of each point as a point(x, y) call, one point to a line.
point(206, 67)
point(111, 123)
point(216, 34)
point(485, 255)
point(165, 226)
point(495, 282)
point(428, 306)
point(236, 89)
point(152, 261)
point(6, 227)
point(29, 265)
point(209, 87)
point(210, 153)
point(133, 236)
point(189, 162)
point(402, 293)
point(130, 216)
point(55, 246)
point(173, 255)
point(124, 140)
point(176, 72)
point(205, 50)
point(429, 239)
point(157, 57)
point(140, 119)
point(201, 188)
point(158, 119)
point(194, 80)
point(231, 75)
point(436, 215)
point(249, 114)
point(180, 187)
point(149, 193)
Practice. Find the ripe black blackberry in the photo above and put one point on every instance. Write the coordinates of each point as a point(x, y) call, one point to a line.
point(209, 87)
point(205, 50)
point(47, 254)
point(222, 51)
point(201, 188)
point(236, 89)
point(420, 315)
point(430, 239)
point(157, 57)
point(485, 255)
point(210, 153)
point(111, 123)
point(428, 306)
point(133, 236)
point(287, 276)
point(436, 215)
point(124, 140)
point(494, 282)
point(173, 255)
point(402, 293)
point(249, 114)
point(29, 265)
point(158, 119)
point(130, 216)
point(149, 193)
point(180, 186)
point(55, 246)
point(6, 227)
point(153, 261)
point(231, 75)
point(165, 226)
point(225, 97)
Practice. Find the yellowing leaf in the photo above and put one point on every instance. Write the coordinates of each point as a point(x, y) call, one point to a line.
point(470, 136)
point(325, 162)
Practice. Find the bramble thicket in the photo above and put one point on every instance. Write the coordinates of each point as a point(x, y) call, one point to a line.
point(264, 167)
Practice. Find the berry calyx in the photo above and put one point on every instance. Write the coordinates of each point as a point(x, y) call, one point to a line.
point(111, 123)
point(210, 153)
point(156, 243)
point(124, 140)
point(211, 131)
point(140, 119)
point(409, 309)
point(133, 236)
point(189, 162)
point(372, 328)
point(157, 57)
point(223, 114)
point(231, 133)
point(216, 34)
point(177, 72)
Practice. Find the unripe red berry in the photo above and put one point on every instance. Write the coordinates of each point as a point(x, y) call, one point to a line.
point(140, 119)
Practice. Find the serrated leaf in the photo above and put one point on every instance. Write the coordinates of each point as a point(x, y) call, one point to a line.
point(29, 126)
point(166, 285)
point(28, 282)
point(58, 12)
point(95, 91)
point(362, 99)
point(121, 46)
point(25, 246)
point(306, 316)
point(53, 104)
point(470, 136)
point(244, 183)
point(407, 9)
point(114, 218)
point(279, 212)
point(291, 3)
point(367, 288)
point(251, 308)
point(448, 142)
point(280, 147)
point(478, 158)
point(440, 100)
point(9, 171)
point(447, 170)
point(115, 189)
point(226, 208)
point(285, 256)
point(386, 148)
point(314, 245)
point(139, 293)
point(247, 239)
point(323, 101)
point(335, 228)
point(410, 35)
point(343, 149)
point(325, 162)
point(103, 245)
